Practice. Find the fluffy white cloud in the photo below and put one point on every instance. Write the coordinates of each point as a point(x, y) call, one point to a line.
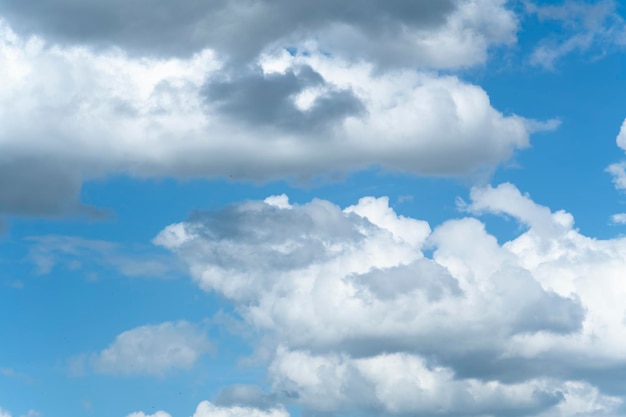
point(4, 413)
point(405, 384)
point(316, 110)
point(355, 317)
point(152, 349)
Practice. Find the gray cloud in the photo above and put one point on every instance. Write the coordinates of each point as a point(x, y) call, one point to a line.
point(246, 396)
point(268, 100)
point(37, 185)
point(235, 29)
point(422, 275)
point(240, 106)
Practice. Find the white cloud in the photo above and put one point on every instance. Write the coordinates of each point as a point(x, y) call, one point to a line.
point(355, 317)
point(618, 170)
point(105, 112)
point(152, 350)
point(206, 409)
point(404, 384)
point(4, 413)
point(621, 136)
point(619, 218)
point(142, 414)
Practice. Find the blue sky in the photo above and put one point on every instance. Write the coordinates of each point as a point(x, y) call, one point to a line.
point(278, 209)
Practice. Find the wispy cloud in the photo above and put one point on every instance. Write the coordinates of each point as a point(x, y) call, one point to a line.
point(594, 27)
point(95, 257)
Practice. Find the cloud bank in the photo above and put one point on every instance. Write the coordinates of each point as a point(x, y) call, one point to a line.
point(353, 317)
point(304, 91)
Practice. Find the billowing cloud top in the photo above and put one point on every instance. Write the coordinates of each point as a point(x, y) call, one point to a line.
point(153, 90)
point(358, 318)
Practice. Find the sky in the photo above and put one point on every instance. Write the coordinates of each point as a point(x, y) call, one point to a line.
point(288, 208)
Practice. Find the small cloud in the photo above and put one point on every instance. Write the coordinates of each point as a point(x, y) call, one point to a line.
point(535, 126)
point(619, 218)
point(618, 171)
point(157, 414)
point(148, 350)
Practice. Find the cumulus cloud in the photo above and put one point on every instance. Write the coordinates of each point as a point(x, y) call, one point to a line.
point(355, 316)
point(585, 26)
point(312, 99)
point(150, 350)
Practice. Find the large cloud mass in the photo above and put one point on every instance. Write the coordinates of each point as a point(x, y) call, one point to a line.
point(274, 89)
point(406, 31)
point(356, 317)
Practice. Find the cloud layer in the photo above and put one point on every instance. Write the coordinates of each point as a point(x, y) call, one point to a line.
point(415, 29)
point(354, 316)
point(303, 102)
